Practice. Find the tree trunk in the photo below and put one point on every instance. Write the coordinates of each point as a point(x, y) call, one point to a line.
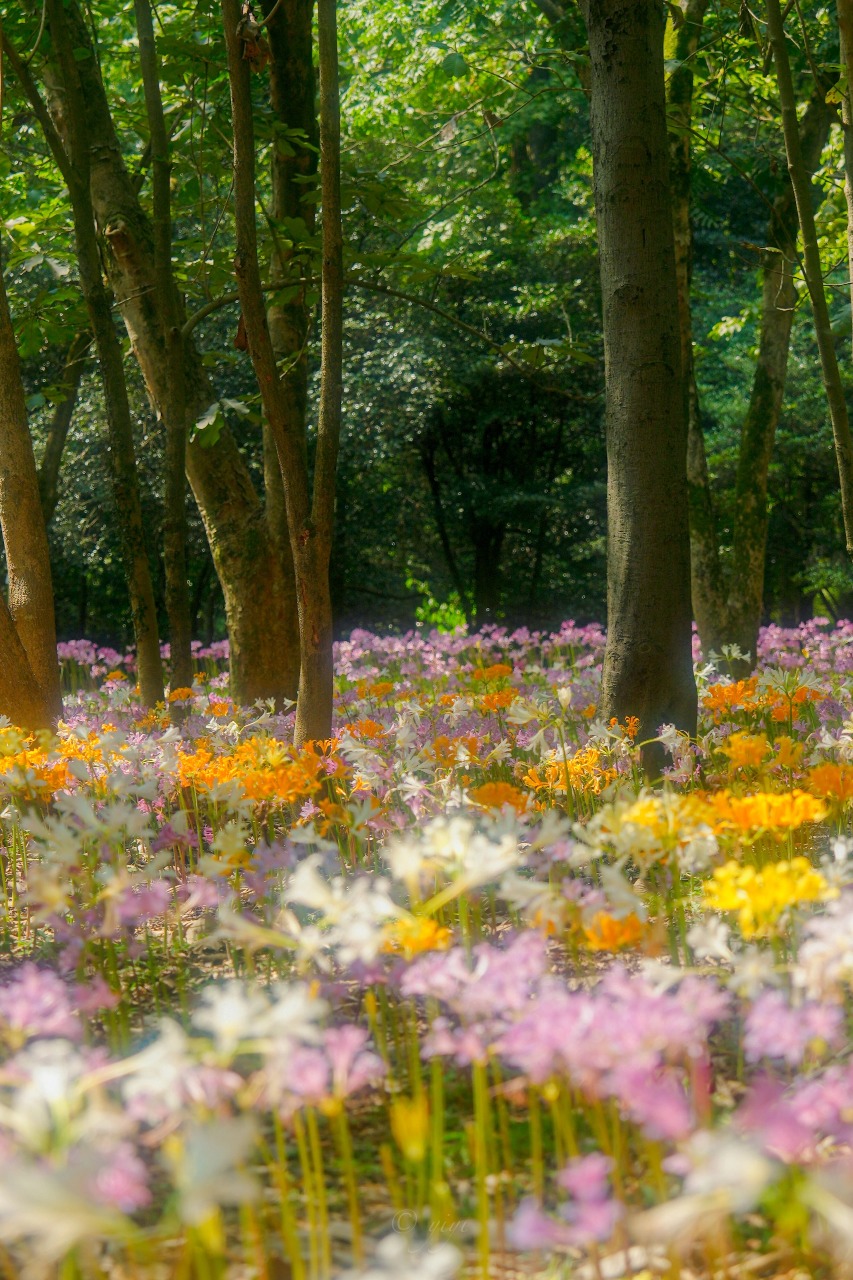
point(845, 35)
point(427, 451)
point(309, 515)
point(316, 681)
point(488, 540)
point(29, 670)
point(174, 408)
point(74, 165)
point(812, 269)
point(254, 581)
point(60, 423)
point(706, 571)
point(293, 98)
point(276, 520)
point(727, 604)
point(648, 669)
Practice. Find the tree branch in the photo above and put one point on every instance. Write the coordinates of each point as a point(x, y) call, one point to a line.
point(555, 13)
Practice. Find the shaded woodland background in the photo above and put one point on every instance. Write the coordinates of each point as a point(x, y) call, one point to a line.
point(471, 483)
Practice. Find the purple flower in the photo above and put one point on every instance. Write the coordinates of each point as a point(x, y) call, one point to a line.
point(96, 996)
point(352, 1065)
point(655, 1100)
point(122, 1181)
point(35, 1002)
point(586, 1177)
point(769, 1114)
point(776, 1030)
point(531, 1228)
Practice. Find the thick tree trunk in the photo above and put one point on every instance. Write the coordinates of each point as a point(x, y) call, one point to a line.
point(648, 669)
point(254, 582)
point(812, 268)
point(258, 597)
point(29, 670)
point(174, 408)
point(60, 423)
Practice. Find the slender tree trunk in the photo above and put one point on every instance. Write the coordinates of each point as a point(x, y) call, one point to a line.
point(488, 542)
point(727, 603)
point(741, 617)
point(845, 36)
point(706, 570)
point(310, 515)
point(314, 712)
point(254, 581)
point(648, 669)
point(427, 455)
point(29, 670)
point(60, 423)
point(293, 94)
point(74, 166)
point(175, 406)
point(812, 269)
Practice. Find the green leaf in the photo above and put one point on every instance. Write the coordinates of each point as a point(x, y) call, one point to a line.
point(454, 65)
point(208, 428)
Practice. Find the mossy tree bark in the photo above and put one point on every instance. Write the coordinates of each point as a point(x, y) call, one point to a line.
point(29, 670)
point(72, 159)
point(648, 670)
point(253, 578)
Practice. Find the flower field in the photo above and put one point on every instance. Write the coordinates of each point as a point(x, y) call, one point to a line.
point(454, 992)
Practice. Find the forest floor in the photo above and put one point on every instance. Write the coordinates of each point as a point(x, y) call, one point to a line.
point(454, 991)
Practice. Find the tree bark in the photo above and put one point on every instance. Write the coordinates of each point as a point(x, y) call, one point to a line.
point(174, 407)
point(727, 601)
point(74, 166)
point(844, 10)
point(316, 690)
point(706, 569)
point(812, 269)
point(310, 515)
point(488, 540)
point(29, 670)
point(294, 162)
point(648, 669)
point(60, 424)
point(254, 581)
point(428, 448)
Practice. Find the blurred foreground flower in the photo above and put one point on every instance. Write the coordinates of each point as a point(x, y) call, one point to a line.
point(403, 1257)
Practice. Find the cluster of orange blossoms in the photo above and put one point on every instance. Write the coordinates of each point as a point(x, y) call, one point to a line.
point(268, 771)
point(585, 771)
